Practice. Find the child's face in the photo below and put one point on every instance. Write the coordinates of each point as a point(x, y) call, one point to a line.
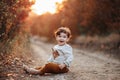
point(62, 38)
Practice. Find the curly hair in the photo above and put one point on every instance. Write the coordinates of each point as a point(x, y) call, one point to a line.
point(65, 30)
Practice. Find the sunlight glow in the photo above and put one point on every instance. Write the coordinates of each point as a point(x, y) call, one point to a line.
point(43, 6)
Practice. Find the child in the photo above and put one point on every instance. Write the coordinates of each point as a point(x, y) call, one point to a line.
point(60, 59)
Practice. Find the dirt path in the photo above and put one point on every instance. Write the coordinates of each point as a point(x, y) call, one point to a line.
point(86, 66)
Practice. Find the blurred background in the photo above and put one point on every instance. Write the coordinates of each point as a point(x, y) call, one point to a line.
point(94, 23)
point(96, 17)
point(95, 26)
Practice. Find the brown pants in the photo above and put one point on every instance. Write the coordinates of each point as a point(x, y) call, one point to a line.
point(48, 68)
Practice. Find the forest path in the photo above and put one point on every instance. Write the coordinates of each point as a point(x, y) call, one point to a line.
point(85, 66)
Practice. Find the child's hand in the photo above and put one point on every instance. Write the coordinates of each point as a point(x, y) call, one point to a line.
point(55, 54)
point(61, 66)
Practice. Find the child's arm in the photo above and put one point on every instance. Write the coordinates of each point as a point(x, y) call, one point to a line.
point(51, 58)
point(53, 55)
point(69, 56)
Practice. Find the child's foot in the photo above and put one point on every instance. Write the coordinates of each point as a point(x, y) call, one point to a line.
point(25, 68)
point(30, 70)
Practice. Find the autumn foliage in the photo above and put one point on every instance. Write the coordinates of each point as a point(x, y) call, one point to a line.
point(12, 15)
point(89, 17)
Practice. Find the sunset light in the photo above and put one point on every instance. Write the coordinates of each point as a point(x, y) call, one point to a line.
point(43, 6)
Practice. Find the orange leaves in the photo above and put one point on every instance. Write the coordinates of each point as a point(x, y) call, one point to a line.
point(11, 74)
point(12, 13)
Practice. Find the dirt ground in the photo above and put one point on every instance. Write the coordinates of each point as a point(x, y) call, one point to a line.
point(85, 66)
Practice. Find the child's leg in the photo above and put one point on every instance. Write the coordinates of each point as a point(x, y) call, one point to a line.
point(47, 68)
point(53, 68)
point(31, 70)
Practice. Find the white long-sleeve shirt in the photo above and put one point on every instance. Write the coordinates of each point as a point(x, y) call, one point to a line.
point(65, 55)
